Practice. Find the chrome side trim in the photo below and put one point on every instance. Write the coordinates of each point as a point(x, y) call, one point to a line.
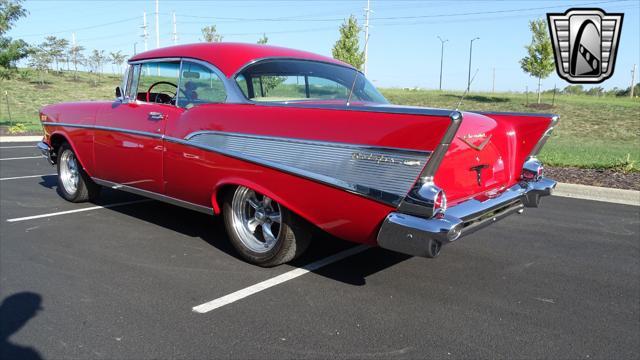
point(106, 128)
point(155, 196)
point(417, 200)
point(381, 174)
point(545, 136)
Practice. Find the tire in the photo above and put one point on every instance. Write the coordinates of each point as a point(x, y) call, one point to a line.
point(73, 182)
point(263, 232)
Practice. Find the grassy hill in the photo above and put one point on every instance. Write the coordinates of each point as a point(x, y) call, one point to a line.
point(594, 132)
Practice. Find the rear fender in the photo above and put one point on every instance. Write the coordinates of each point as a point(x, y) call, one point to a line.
point(216, 200)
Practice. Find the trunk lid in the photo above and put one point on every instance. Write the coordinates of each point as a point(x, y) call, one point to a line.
point(486, 155)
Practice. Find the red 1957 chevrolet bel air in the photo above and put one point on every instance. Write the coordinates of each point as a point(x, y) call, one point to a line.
point(280, 141)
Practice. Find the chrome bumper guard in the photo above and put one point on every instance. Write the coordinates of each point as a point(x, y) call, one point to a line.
point(412, 235)
point(45, 150)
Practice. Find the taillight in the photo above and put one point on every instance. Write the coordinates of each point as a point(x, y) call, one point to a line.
point(532, 170)
point(440, 203)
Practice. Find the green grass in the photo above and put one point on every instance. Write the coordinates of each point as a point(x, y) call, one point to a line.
point(594, 132)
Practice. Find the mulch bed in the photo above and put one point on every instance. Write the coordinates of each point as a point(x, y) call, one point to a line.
point(594, 177)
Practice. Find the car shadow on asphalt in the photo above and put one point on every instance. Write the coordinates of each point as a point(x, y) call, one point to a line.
point(15, 311)
point(353, 270)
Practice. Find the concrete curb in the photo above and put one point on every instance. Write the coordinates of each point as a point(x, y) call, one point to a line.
point(7, 139)
point(596, 193)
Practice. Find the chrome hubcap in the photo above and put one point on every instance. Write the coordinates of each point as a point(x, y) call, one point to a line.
point(256, 219)
point(69, 173)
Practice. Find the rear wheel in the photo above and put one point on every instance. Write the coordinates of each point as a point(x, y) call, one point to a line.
point(264, 232)
point(73, 182)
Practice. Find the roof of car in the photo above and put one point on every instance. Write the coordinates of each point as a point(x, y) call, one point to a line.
point(231, 57)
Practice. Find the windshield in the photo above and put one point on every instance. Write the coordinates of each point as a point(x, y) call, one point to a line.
point(302, 80)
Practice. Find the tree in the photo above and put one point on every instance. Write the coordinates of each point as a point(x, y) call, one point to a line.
point(10, 12)
point(573, 89)
point(95, 61)
point(56, 48)
point(40, 59)
point(210, 34)
point(11, 50)
point(347, 48)
point(77, 58)
point(117, 58)
point(263, 40)
point(539, 60)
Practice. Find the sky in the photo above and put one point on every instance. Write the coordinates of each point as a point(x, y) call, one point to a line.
point(404, 49)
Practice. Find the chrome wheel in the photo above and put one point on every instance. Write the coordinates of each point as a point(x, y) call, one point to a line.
point(257, 220)
point(69, 172)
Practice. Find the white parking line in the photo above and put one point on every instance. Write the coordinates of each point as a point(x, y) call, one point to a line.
point(290, 275)
point(25, 157)
point(25, 177)
point(77, 210)
point(18, 147)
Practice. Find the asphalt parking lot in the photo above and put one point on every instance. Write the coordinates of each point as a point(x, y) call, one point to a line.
point(562, 281)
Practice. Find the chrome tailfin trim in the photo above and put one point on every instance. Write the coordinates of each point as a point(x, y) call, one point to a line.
point(417, 202)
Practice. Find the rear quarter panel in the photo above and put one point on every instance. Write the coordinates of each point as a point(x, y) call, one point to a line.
point(196, 175)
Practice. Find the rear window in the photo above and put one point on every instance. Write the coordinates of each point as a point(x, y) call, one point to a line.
point(301, 80)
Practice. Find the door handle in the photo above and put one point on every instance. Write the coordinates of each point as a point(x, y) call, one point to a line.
point(156, 115)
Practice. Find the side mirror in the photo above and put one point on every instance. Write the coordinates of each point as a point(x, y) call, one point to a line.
point(118, 92)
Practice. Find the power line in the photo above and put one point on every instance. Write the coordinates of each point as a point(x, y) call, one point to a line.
point(78, 29)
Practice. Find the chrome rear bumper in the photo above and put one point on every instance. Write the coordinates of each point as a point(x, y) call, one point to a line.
point(412, 235)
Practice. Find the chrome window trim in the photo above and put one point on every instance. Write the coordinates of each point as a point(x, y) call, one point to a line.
point(155, 196)
point(274, 58)
point(159, 59)
point(415, 203)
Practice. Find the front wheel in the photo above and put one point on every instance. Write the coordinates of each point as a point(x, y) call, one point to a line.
point(263, 232)
point(73, 182)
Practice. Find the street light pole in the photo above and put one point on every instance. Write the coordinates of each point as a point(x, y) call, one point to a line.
point(470, 52)
point(441, 58)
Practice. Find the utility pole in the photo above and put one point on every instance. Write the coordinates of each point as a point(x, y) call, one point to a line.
point(470, 52)
point(367, 10)
point(157, 24)
point(633, 80)
point(145, 33)
point(441, 58)
point(174, 36)
point(493, 81)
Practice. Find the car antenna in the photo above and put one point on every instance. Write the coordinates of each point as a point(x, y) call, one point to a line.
point(353, 85)
point(366, 41)
point(466, 91)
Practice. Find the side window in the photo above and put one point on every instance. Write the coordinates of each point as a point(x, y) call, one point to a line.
point(158, 82)
point(321, 88)
point(199, 85)
point(132, 82)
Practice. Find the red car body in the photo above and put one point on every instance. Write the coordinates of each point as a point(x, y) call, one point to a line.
point(359, 170)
